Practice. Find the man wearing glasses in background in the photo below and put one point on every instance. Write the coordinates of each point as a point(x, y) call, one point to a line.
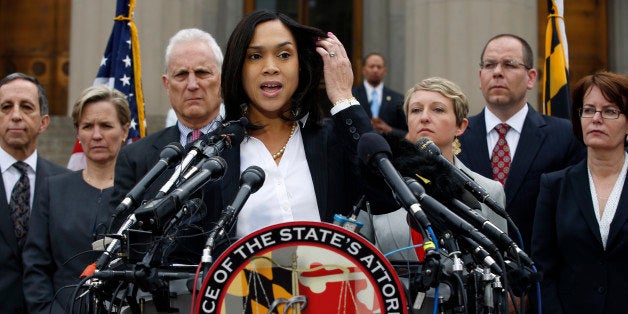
point(511, 142)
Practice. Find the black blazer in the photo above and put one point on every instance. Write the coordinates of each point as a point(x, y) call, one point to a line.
point(330, 150)
point(579, 275)
point(11, 294)
point(546, 144)
point(391, 110)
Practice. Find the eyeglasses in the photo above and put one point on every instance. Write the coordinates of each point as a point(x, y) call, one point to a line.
point(507, 64)
point(608, 113)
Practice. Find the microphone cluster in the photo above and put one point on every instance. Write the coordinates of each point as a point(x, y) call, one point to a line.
point(195, 166)
point(485, 244)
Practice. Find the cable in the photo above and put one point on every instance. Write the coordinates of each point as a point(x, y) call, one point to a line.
point(403, 249)
point(538, 293)
point(113, 297)
point(75, 294)
point(55, 296)
point(462, 291)
point(193, 305)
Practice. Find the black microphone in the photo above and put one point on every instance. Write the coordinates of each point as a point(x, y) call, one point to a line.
point(480, 254)
point(150, 214)
point(195, 148)
point(231, 131)
point(373, 150)
point(428, 149)
point(251, 180)
point(188, 209)
point(438, 211)
point(170, 155)
point(499, 237)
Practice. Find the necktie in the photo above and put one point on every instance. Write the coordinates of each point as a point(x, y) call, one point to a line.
point(194, 135)
point(20, 203)
point(501, 155)
point(375, 103)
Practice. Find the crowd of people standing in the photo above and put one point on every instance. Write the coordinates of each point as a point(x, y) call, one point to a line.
point(561, 181)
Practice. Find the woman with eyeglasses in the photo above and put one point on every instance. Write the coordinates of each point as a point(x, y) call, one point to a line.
point(580, 235)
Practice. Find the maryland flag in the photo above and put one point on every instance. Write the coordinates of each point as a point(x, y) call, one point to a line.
point(265, 286)
point(556, 99)
point(120, 68)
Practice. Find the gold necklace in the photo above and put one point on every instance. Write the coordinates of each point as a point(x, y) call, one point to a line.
point(94, 182)
point(283, 149)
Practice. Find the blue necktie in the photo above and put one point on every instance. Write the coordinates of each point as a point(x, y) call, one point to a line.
point(20, 203)
point(375, 105)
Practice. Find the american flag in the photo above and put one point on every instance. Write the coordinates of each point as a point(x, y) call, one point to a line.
point(120, 68)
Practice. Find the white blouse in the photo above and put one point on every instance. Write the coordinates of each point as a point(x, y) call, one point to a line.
point(288, 190)
point(611, 204)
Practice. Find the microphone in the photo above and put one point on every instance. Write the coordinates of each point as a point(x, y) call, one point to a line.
point(374, 151)
point(188, 209)
point(438, 211)
point(170, 155)
point(428, 149)
point(251, 181)
point(481, 254)
point(112, 248)
point(232, 131)
point(500, 237)
point(150, 214)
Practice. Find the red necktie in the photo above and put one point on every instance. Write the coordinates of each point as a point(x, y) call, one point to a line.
point(501, 155)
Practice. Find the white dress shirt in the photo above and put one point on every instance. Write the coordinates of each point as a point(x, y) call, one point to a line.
point(288, 190)
point(10, 175)
point(610, 209)
point(514, 133)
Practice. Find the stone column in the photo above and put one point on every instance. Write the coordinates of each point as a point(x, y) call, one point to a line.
point(618, 36)
point(445, 38)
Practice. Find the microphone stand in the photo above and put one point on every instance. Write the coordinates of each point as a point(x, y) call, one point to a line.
point(147, 275)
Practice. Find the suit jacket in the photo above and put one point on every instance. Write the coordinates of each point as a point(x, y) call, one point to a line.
point(61, 228)
point(11, 294)
point(580, 276)
point(330, 151)
point(546, 144)
point(391, 110)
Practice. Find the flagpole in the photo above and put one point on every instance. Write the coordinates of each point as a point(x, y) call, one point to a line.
point(137, 66)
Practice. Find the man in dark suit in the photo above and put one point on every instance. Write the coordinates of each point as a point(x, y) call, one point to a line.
point(530, 143)
point(192, 82)
point(536, 143)
point(383, 105)
point(23, 116)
